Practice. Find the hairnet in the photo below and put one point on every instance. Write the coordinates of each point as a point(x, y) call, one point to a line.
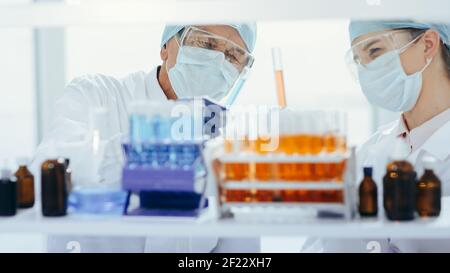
point(247, 32)
point(358, 28)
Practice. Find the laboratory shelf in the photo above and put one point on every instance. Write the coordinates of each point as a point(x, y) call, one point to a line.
point(282, 207)
point(138, 12)
point(291, 185)
point(282, 158)
point(30, 221)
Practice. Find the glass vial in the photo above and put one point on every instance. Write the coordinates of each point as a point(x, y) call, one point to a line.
point(368, 195)
point(25, 185)
point(8, 193)
point(399, 186)
point(429, 191)
point(54, 187)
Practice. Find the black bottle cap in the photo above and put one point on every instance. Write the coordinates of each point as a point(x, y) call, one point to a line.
point(367, 171)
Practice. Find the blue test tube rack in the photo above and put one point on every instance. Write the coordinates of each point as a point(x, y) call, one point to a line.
point(169, 176)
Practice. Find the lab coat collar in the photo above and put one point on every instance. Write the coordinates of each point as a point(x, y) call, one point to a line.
point(393, 128)
point(153, 89)
point(438, 144)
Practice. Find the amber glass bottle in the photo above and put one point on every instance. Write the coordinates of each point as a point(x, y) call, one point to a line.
point(399, 186)
point(368, 195)
point(54, 187)
point(429, 191)
point(25, 185)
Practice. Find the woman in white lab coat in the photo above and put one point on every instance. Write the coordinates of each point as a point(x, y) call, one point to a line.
point(402, 66)
point(196, 61)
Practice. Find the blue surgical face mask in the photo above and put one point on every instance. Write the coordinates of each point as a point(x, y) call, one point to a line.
point(385, 83)
point(202, 72)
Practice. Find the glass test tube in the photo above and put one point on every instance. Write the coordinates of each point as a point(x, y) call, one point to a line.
point(279, 79)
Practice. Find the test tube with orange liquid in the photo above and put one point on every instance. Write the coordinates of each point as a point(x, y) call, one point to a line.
point(236, 142)
point(287, 145)
point(232, 195)
point(279, 79)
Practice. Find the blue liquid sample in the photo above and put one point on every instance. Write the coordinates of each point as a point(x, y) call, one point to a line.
point(163, 155)
point(151, 142)
point(149, 155)
point(183, 155)
point(189, 153)
point(97, 201)
point(162, 127)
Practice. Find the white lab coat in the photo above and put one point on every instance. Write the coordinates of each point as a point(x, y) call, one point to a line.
point(70, 127)
point(382, 143)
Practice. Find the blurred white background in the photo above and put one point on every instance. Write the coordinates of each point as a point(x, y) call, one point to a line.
point(36, 64)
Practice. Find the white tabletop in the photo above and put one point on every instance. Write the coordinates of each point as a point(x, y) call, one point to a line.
point(31, 221)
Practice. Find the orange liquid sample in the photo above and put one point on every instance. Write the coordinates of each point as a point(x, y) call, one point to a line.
point(341, 144)
point(287, 144)
point(303, 171)
point(328, 171)
point(236, 171)
point(228, 146)
point(261, 145)
point(285, 196)
point(317, 144)
point(281, 94)
point(286, 171)
point(320, 171)
point(330, 143)
point(303, 144)
point(264, 171)
point(237, 195)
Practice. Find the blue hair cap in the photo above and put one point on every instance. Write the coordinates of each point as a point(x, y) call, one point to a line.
point(247, 32)
point(358, 28)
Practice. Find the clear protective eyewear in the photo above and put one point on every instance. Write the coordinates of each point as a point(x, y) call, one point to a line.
point(366, 51)
point(234, 54)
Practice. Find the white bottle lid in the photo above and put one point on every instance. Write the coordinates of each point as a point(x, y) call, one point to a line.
point(429, 163)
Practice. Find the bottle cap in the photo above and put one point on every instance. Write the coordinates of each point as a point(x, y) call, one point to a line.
point(401, 150)
point(429, 163)
point(367, 171)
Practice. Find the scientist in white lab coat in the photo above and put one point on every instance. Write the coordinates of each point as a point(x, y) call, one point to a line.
point(196, 61)
point(402, 66)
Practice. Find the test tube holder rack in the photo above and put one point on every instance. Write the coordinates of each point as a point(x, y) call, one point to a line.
point(347, 209)
point(166, 190)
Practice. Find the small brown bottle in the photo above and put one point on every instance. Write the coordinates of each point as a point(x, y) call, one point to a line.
point(368, 195)
point(25, 185)
point(54, 187)
point(429, 191)
point(399, 185)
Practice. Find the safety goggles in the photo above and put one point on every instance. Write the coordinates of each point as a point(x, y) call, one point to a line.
point(365, 52)
point(234, 54)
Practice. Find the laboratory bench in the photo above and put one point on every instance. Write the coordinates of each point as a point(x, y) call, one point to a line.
point(31, 221)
